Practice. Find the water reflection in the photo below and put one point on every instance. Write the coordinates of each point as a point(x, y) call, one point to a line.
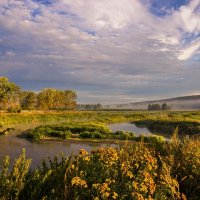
point(12, 145)
point(130, 127)
point(138, 130)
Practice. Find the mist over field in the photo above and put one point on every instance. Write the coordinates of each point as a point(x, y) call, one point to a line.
point(179, 103)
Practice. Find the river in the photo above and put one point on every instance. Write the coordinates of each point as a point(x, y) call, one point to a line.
point(130, 127)
point(12, 145)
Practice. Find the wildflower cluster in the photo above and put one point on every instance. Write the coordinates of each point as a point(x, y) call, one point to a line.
point(108, 156)
point(137, 172)
point(77, 181)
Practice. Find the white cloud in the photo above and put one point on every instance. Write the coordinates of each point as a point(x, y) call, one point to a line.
point(165, 39)
point(190, 19)
point(108, 14)
point(189, 52)
point(116, 45)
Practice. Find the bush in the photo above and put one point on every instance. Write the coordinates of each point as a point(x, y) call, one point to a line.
point(123, 135)
point(13, 182)
point(95, 135)
point(66, 134)
point(84, 130)
point(86, 134)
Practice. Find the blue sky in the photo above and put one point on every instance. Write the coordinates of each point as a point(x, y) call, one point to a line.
point(108, 51)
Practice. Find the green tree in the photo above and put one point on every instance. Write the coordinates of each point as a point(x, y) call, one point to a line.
point(52, 99)
point(28, 100)
point(154, 107)
point(149, 107)
point(164, 106)
point(98, 106)
point(70, 99)
point(9, 95)
point(46, 98)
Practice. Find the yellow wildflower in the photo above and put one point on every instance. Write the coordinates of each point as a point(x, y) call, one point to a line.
point(87, 158)
point(106, 194)
point(77, 181)
point(83, 152)
point(73, 167)
point(129, 174)
point(95, 185)
point(115, 195)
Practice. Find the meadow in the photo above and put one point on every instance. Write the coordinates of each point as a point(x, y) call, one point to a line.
point(27, 117)
point(60, 124)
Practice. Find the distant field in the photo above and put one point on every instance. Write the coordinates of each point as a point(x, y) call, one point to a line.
point(187, 121)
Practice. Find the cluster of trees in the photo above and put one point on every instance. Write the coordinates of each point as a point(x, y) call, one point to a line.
point(89, 106)
point(164, 106)
point(13, 99)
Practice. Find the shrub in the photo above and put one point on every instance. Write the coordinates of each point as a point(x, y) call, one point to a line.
point(84, 130)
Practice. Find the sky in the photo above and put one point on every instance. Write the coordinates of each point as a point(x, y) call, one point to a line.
point(109, 51)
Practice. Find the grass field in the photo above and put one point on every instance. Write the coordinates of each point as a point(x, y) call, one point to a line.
point(188, 122)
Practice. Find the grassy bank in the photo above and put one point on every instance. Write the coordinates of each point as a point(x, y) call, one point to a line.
point(84, 130)
point(107, 117)
point(167, 171)
point(185, 127)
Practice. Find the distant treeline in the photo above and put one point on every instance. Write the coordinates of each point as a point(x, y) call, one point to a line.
point(164, 106)
point(13, 99)
point(89, 106)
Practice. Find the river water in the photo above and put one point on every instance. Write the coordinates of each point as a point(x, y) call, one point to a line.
point(130, 127)
point(12, 145)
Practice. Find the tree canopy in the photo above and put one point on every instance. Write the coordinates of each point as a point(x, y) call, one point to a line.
point(164, 106)
point(9, 94)
point(12, 98)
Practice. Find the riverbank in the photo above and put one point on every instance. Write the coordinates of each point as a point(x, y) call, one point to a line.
point(167, 120)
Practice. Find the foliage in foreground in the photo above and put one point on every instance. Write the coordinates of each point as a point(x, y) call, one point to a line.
point(157, 171)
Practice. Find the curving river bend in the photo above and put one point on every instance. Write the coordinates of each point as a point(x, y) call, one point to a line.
point(12, 145)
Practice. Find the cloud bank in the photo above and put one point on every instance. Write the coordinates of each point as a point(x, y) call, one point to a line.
point(109, 51)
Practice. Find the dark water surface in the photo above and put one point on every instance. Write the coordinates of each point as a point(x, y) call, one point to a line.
point(130, 127)
point(12, 145)
point(138, 130)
